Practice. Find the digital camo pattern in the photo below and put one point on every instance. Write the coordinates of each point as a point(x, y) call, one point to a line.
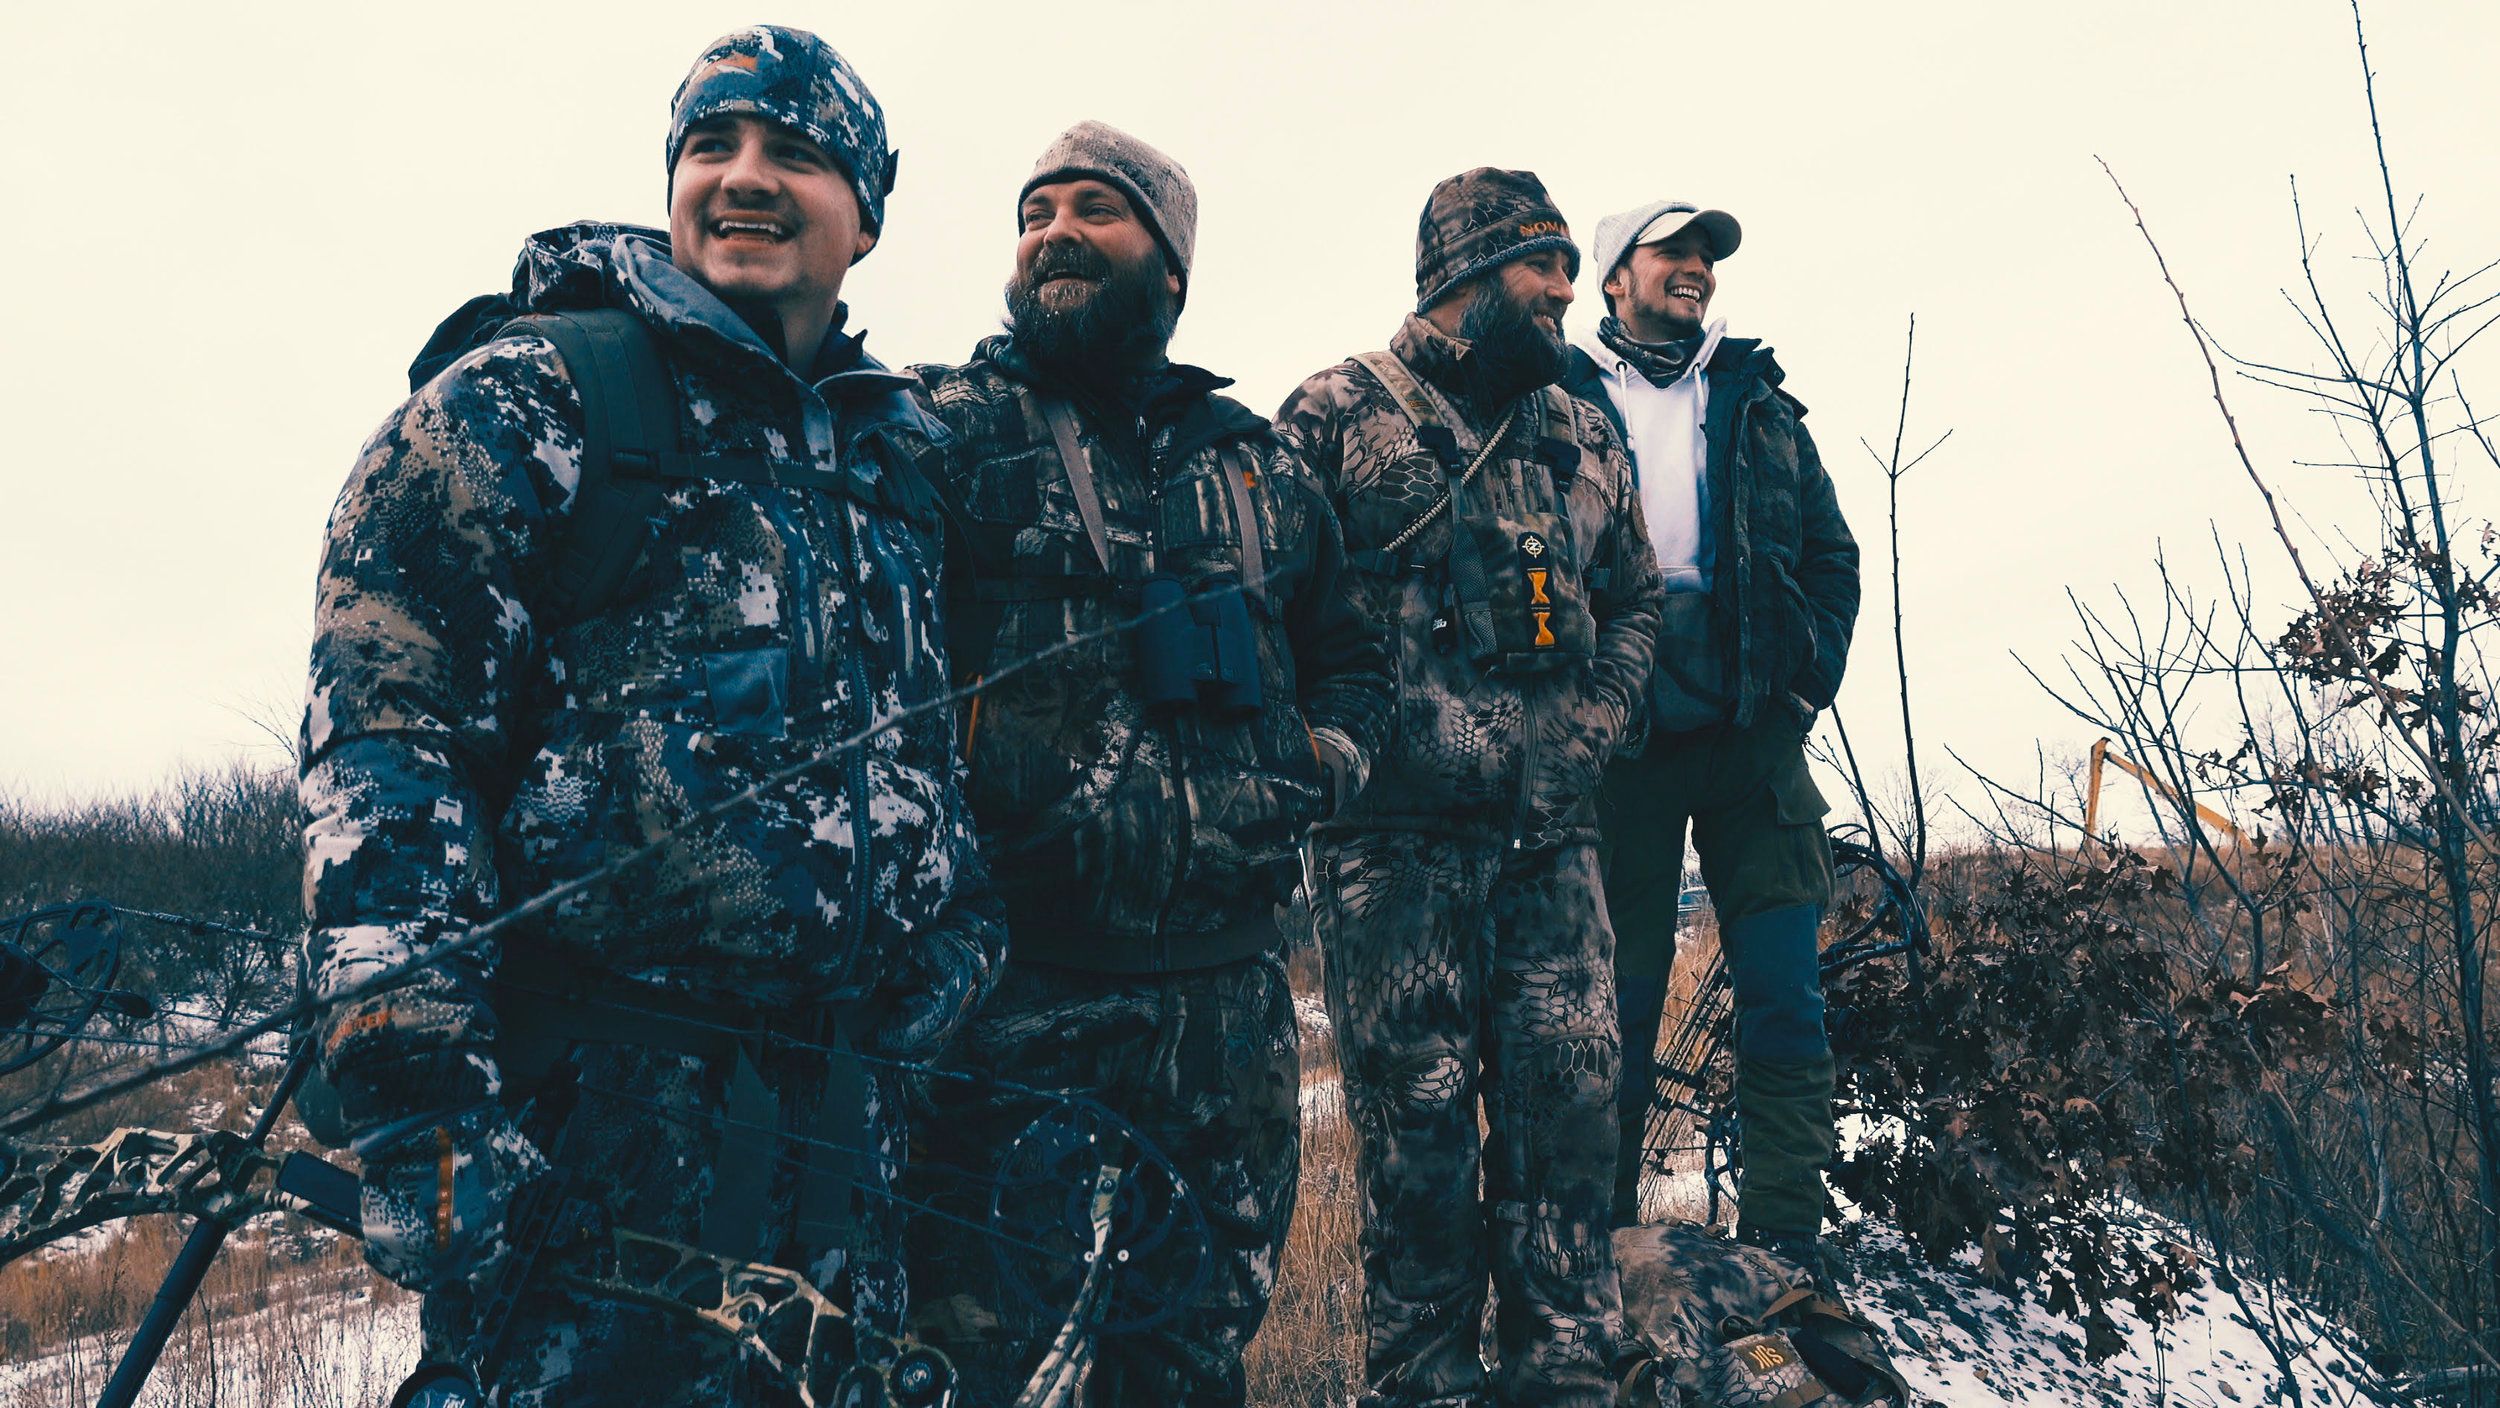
point(1479, 756)
point(1458, 971)
point(1785, 594)
point(432, 1199)
point(796, 79)
point(463, 753)
point(1206, 1065)
point(1122, 839)
point(647, 1160)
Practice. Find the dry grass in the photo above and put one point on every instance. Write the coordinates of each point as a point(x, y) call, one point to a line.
point(1310, 1351)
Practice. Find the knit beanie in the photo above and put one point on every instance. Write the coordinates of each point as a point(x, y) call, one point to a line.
point(1154, 183)
point(1478, 221)
point(791, 77)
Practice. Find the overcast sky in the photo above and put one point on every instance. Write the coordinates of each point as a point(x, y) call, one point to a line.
point(235, 225)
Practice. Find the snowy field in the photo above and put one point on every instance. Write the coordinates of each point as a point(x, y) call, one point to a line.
point(1967, 1346)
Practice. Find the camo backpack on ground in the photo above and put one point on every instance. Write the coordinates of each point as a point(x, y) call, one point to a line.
point(1714, 1322)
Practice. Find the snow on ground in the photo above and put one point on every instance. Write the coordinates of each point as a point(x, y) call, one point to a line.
point(1967, 1346)
point(349, 1354)
point(1959, 1343)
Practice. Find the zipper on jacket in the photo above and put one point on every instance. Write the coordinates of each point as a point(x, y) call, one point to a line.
point(1532, 722)
point(816, 413)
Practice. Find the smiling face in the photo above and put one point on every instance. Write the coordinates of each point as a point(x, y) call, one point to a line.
point(1077, 235)
point(761, 215)
point(1092, 295)
point(1662, 290)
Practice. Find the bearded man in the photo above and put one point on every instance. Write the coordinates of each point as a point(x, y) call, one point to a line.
point(1141, 793)
point(1492, 522)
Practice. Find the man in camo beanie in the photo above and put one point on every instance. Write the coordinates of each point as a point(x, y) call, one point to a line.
point(1154, 183)
point(1478, 221)
point(794, 78)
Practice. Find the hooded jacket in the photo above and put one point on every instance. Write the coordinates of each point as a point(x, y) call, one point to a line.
point(1784, 585)
point(464, 750)
point(1477, 754)
point(1127, 838)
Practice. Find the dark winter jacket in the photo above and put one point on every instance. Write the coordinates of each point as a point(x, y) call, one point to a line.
point(1130, 838)
point(465, 750)
point(1784, 594)
point(1481, 754)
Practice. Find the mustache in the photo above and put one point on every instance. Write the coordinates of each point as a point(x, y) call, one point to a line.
point(1077, 259)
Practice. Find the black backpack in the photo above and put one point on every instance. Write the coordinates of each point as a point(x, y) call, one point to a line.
point(632, 441)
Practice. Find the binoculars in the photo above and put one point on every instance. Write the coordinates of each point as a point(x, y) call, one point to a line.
point(1197, 648)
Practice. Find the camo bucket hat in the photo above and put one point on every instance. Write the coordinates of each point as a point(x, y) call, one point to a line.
point(1479, 220)
point(791, 77)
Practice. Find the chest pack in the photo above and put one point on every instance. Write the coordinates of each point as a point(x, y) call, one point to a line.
point(1194, 643)
point(633, 443)
point(1719, 1325)
point(1516, 582)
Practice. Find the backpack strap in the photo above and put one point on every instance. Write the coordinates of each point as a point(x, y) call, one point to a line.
point(629, 409)
point(1060, 419)
point(1403, 388)
point(1237, 468)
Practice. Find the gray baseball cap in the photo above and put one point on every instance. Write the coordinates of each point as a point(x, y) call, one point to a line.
point(1655, 221)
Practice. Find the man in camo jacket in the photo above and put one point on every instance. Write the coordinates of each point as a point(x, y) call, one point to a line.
point(1141, 794)
point(1492, 521)
point(472, 740)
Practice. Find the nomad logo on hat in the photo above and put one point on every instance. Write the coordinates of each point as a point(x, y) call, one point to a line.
point(1479, 220)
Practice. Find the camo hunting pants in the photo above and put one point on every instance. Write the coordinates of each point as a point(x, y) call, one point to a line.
point(1206, 1065)
point(1459, 968)
point(644, 1147)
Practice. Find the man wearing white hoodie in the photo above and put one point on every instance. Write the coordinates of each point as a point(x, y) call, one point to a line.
point(1762, 590)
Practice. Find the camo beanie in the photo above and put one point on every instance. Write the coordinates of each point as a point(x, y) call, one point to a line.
point(791, 77)
point(1154, 183)
point(1479, 220)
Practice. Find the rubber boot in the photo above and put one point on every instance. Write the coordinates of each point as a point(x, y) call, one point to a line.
point(1784, 1120)
point(1640, 999)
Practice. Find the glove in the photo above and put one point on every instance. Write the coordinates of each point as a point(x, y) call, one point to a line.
point(944, 979)
point(436, 1192)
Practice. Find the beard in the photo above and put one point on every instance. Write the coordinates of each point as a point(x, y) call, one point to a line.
point(1511, 355)
point(1115, 333)
point(1665, 313)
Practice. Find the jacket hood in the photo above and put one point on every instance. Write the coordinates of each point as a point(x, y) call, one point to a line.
point(568, 267)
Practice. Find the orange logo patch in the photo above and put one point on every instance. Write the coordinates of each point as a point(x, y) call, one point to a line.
point(1540, 228)
point(743, 63)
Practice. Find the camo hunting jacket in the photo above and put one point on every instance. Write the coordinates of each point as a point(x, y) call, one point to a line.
point(1128, 838)
point(1513, 757)
point(466, 750)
